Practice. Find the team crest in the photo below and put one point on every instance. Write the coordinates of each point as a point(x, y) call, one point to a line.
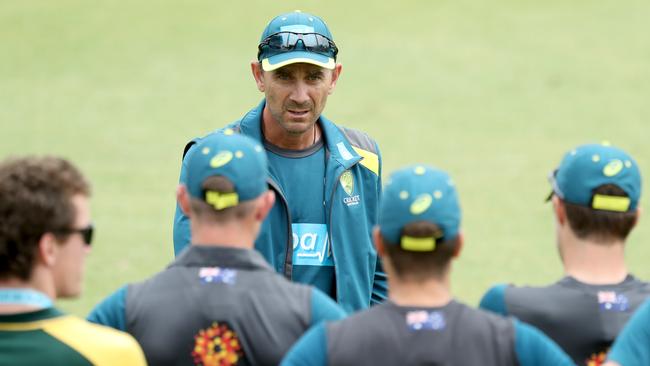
point(217, 345)
point(347, 182)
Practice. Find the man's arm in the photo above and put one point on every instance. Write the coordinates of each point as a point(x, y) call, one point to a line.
point(181, 221)
point(534, 348)
point(310, 350)
point(494, 300)
point(112, 311)
point(632, 346)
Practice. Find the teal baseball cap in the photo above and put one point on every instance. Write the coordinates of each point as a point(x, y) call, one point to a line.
point(296, 37)
point(236, 157)
point(419, 193)
point(587, 167)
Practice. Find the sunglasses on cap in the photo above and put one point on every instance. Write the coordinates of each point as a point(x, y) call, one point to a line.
point(86, 233)
point(281, 42)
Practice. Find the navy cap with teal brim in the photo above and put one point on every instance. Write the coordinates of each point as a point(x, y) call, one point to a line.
point(587, 167)
point(297, 22)
point(236, 157)
point(419, 193)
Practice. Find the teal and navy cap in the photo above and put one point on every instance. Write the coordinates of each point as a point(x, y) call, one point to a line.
point(296, 37)
point(236, 157)
point(414, 194)
point(590, 166)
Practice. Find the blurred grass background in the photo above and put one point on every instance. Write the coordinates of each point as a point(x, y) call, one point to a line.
point(492, 91)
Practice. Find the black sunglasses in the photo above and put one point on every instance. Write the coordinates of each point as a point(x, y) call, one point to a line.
point(86, 233)
point(286, 41)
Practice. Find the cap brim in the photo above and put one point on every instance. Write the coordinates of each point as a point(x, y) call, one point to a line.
point(283, 59)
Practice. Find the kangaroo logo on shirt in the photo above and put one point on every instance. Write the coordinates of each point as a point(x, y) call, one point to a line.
point(217, 345)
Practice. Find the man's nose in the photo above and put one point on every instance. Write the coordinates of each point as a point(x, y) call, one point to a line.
point(300, 93)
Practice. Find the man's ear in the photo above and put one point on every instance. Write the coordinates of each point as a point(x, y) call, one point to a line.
point(267, 200)
point(335, 77)
point(559, 209)
point(47, 249)
point(637, 216)
point(459, 245)
point(258, 74)
point(183, 199)
point(379, 241)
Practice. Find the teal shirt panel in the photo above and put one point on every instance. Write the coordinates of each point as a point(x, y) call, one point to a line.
point(494, 300)
point(534, 348)
point(632, 346)
point(301, 174)
point(323, 308)
point(311, 349)
point(111, 312)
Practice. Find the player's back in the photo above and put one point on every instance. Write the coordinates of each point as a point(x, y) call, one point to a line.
point(583, 319)
point(388, 334)
point(49, 337)
point(220, 305)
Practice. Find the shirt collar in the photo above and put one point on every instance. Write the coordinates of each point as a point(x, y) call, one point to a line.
point(197, 255)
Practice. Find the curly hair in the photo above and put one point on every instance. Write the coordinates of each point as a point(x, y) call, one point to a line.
point(35, 198)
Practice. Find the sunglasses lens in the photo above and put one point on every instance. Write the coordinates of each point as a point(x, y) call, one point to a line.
point(88, 234)
point(288, 41)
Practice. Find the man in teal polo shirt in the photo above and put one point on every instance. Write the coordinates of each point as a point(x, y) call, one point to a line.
point(326, 177)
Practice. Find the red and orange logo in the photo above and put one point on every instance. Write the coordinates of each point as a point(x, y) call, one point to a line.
point(597, 359)
point(217, 345)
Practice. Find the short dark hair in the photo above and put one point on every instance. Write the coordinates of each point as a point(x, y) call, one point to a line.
point(599, 225)
point(205, 211)
point(419, 266)
point(35, 198)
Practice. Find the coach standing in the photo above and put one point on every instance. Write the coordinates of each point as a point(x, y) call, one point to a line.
point(327, 178)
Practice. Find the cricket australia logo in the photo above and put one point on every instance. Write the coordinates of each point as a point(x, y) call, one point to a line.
point(347, 182)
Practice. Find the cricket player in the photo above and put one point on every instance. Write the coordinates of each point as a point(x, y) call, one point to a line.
point(45, 235)
point(219, 302)
point(326, 178)
point(595, 197)
point(421, 324)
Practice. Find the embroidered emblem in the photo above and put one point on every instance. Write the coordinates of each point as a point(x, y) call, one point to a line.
point(218, 275)
point(217, 345)
point(347, 182)
point(424, 320)
point(610, 301)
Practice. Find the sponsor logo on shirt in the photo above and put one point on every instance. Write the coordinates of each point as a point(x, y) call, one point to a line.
point(347, 182)
point(217, 345)
point(311, 245)
point(611, 301)
point(218, 275)
point(425, 320)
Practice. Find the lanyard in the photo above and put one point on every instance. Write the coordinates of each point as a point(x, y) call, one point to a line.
point(22, 296)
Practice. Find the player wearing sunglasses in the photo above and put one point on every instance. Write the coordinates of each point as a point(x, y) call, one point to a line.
point(45, 235)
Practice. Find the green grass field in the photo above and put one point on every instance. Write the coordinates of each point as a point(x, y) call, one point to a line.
point(492, 91)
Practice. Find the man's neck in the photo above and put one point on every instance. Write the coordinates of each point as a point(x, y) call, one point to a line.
point(37, 283)
point(428, 293)
point(223, 235)
point(593, 262)
point(276, 135)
